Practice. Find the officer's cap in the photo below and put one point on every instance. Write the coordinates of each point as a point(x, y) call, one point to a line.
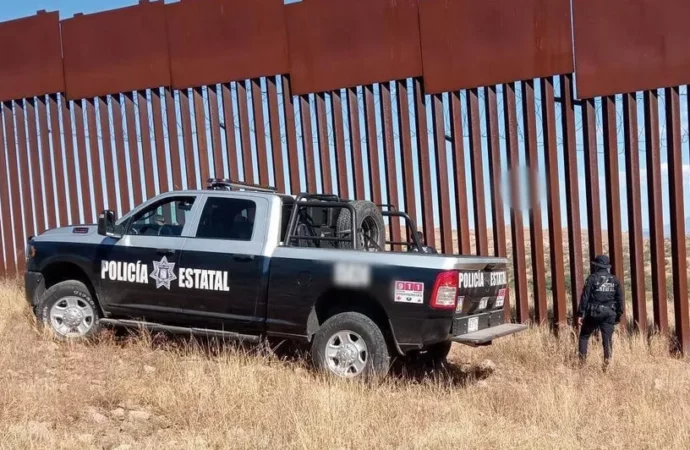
point(602, 261)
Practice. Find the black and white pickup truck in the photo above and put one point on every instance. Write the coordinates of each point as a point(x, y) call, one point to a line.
point(244, 262)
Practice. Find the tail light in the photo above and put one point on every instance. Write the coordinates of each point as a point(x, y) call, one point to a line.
point(445, 293)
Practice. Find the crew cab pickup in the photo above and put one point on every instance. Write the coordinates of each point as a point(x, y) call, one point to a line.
point(243, 262)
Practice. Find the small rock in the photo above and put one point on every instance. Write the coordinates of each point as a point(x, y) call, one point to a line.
point(99, 418)
point(51, 372)
point(658, 384)
point(482, 384)
point(487, 366)
point(85, 438)
point(123, 447)
point(12, 373)
point(98, 382)
point(118, 413)
point(149, 369)
point(139, 415)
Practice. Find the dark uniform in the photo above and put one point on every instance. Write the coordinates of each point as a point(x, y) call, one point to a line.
point(425, 248)
point(601, 306)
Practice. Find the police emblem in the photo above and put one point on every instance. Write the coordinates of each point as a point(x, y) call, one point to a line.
point(163, 273)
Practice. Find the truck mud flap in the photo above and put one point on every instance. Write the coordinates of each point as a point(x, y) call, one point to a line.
point(485, 336)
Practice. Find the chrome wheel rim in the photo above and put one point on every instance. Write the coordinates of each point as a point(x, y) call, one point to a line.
point(346, 354)
point(72, 317)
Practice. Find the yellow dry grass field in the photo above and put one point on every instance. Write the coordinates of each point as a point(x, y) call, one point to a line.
point(143, 392)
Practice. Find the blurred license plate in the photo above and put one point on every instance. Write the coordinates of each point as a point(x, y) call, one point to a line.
point(473, 324)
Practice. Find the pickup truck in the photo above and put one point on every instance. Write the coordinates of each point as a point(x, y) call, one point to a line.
point(244, 262)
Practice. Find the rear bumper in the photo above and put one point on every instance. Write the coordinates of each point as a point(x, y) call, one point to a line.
point(487, 335)
point(34, 284)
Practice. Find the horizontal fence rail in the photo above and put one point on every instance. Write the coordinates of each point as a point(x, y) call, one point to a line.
point(503, 160)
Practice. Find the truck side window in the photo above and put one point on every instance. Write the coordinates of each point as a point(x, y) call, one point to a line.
point(227, 218)
point(166, 218)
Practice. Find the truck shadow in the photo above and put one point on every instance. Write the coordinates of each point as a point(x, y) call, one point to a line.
point(296, 356)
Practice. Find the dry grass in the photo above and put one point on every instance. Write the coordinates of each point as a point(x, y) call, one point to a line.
point(57, 395)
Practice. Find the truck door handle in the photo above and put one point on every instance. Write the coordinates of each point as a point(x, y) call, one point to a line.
point(165, 252)
point(243, 257)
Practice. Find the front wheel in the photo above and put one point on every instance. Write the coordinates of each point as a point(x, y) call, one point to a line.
point(350, 345)
point(69, 311)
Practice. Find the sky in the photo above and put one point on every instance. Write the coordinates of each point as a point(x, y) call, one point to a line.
point(10, 9)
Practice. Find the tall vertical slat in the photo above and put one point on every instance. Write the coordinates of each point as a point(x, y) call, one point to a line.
point(58, 160)
point(493, 142)
point(406, 149)
point(187, 140)
point(260, 131)
point(145, 135)
point(324, 148)
point(308, 142)
point(554, 199)
point(96, 164)
point(516, 219)
point(477, 165)
point(118, 130)
point(536, 229)
point(23, 164)
point(389, 158)
point(424, 164)
point(461, 203)
point(159, 139)
point(276, 143)
point(592, 179)
point(289, 114)
point(15, 196)
point(173, 140)
point(356, 142)
point(69, 159)
point(215, 132)
point(613, 188)
point(656, 217)
point(81, 152)
point(243, 106)
point(46, 172)
point(632, 174)
point(229, 125)
point(34, 165)
point(201, 140)
point(108, 154)
point(372, 144)
point(443, 183)
point(7, 264)
point(572, 191)
point(678, 250)
point(134, 162)
point(340, 152)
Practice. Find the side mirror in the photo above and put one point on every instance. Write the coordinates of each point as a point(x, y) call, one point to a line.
point(106, 225)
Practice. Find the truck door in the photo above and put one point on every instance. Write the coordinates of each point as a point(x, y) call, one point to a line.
point(138, 272)
point(222, 270)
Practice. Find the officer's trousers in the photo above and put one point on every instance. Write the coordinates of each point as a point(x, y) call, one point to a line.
point(605, 325)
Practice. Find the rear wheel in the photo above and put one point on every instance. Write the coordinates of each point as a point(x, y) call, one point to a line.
point(350, 345)
point(69, 311)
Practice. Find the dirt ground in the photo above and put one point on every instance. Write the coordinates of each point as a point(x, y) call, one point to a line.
point(144, 392)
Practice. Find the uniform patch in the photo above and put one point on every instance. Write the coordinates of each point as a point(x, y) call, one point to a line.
point(409, 292)
point(163, 273)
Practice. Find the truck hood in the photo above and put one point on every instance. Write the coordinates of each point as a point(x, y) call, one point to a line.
point(74, 233)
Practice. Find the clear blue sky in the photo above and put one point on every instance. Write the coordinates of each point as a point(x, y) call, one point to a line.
point(14, 9)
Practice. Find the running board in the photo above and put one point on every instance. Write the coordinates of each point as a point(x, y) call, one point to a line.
point(485, 336)
point(182, 330)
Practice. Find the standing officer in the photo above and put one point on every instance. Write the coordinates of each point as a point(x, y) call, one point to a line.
point(601, 307)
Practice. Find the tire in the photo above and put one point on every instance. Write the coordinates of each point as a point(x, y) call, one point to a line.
point(368, 218)
point(69, 311)
point(434, 354)
point(358, 339)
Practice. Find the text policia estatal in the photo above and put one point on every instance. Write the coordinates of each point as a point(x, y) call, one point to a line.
point(164, 273)
point(478, 279)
